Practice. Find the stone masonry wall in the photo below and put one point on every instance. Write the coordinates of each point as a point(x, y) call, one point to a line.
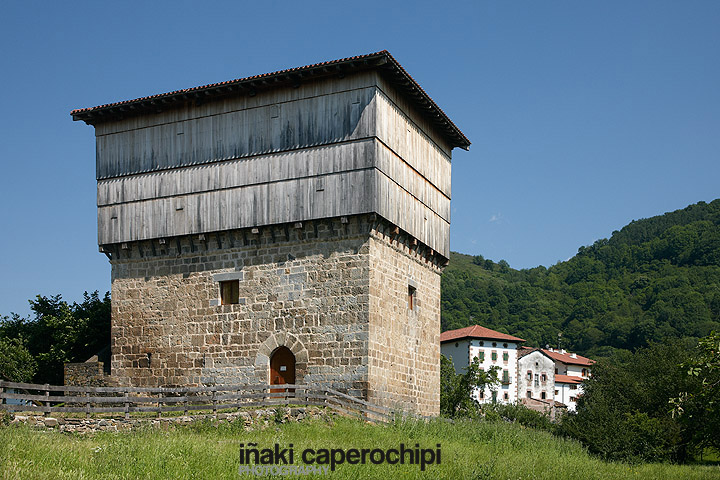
point(86, 374)
point(305, 288)
point(404, 369)
point(333, 291)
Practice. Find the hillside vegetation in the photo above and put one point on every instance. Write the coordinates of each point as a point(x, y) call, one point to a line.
point(654, 280)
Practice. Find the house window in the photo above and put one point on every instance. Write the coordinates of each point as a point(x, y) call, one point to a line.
point(411, 297)
point(557, 392)
point(230, 292)
point(493, 356)
point(481, 394)
point(542, 395)
point(481, 356)
point(505, 396)
point(505, 345)
point(506, 377)
point(482, 344)
point(537, 380)
point(494, 397)
point(529, 394)
point(584, 372)
point(529, 376)
point(573, 387)
point(494, 344)
point(556, 371)
point(506, 357)
point(543, 378)
point(573, 399)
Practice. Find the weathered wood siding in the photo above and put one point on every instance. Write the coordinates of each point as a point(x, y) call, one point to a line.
point(327, 149)
point(294, 200)
point(279, 120)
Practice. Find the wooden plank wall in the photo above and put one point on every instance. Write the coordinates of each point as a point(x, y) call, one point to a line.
point(332, 149)
point(347, 193)
point(271, 126)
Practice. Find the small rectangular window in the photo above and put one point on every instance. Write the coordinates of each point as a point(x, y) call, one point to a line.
point(411, 297)
point(506, 377)
point(506, 357)
point(529, 394)
point(230, 292)
point(542, 395)
point(493, 356)
point(481, 356)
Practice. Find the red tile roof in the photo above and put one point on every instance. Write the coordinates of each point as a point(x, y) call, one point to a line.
point(382, 61)
point(528, 350)
point(567, 379)
point(476, 331)
point(566, 358)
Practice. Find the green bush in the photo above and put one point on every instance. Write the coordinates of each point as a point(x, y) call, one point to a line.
point(518, 413)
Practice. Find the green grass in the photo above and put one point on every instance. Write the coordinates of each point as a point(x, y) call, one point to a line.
point(205, 450)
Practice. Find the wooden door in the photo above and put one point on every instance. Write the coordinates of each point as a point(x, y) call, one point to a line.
point(282, 368)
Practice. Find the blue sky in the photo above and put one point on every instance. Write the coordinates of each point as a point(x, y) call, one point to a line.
point(583, 115)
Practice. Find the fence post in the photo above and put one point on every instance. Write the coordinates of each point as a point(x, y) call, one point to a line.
point(127, 406)
point(214, 401)
point(47, 400)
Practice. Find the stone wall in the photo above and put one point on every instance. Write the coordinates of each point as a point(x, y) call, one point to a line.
point(404, 369)
point(333, 291)
point(87, 374)
point(250, 419)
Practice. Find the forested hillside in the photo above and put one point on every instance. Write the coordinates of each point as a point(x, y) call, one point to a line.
point(655, 279)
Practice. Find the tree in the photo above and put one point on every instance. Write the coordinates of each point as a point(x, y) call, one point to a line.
point(624, 412)
point(16, 363)
point(61, 332)
point(700, 409)
point(456, 390)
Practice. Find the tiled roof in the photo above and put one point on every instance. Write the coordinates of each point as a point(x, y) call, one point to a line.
point(528, 350)
point(476, 331)
point(382, 61)
point(567, 379)
point(567, 358)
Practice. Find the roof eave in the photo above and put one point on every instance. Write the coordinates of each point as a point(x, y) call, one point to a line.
point(518, 340)
point(383, 61)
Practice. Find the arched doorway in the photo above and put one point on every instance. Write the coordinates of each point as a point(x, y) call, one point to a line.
point(282, 367)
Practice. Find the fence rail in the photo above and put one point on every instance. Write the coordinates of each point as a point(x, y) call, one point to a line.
point(28, 397)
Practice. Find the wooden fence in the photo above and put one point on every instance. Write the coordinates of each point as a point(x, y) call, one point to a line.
point(29, 397)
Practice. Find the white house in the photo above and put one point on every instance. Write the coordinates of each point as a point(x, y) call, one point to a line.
point(493, 349)
point(570, 370)
point(539, 378)
point(536, 375)
point(567, 390)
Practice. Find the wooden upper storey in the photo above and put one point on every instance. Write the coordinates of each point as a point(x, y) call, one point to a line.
point(331, 145)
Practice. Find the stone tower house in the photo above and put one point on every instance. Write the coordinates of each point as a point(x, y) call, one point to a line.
point(288, 228)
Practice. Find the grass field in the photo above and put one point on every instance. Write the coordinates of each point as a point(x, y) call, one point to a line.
point(206, 450)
